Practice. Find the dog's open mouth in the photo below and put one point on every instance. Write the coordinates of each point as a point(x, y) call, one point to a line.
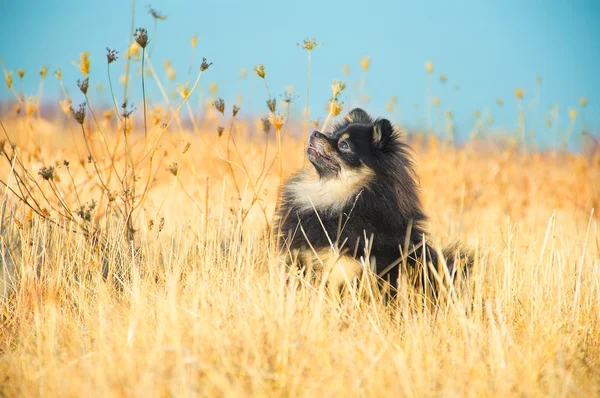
point(314, 152)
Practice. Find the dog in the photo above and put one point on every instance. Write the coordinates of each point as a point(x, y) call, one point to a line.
point(357, 207)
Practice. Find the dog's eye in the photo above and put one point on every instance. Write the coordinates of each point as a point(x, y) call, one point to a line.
point(344, 146)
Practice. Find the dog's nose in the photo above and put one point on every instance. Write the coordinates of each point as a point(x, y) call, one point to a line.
point(316, 134)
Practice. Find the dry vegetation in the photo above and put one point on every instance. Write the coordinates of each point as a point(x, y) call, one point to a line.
point(166, 286)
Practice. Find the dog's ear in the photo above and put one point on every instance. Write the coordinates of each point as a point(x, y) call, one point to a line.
point(358, 115)
point(382, 131)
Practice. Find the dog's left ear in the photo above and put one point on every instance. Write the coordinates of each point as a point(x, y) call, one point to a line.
point(382, 131)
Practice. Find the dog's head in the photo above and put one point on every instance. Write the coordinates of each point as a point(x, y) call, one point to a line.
point(352, 147)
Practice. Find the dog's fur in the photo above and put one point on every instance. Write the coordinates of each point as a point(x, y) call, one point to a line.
point(360, 192)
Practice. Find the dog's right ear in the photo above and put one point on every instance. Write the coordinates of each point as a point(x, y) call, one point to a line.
point(358, 115)
point(382, 132)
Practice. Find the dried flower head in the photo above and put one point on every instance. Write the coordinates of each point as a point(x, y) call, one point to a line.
point(204, 65)
point(30, 107)
point(477, 114)
point(429, 67)
point(272, 104)
point(133, 52)
point(84, 85)
point(8, 78)
point(443, 78)
point(65, 105)
point(499, 101)
point(43, 72)
point(449, 115)
point(337, 87)
point(436, 101)
point(47, 173)
point(266, 123)
point(58, 74)
point(235, 111)
point(174, 168)
point(220, 105)
point(277, 120)
point(66, 163)
point(583, 101)
point(220, 130)
point(194, 40)
point(79, 114)
point(572, 113)
point(538, 79)
point(519, 93)
point(365, 62)
point(346, 70)
point(335, 107)
point(157, 14)
point(260, 70)
point(186, 147)
point(316, 122)
point(111, 55)
point(161, 224)
point(21, 73)
point(213, 88)
point(141, 37)
point(84, 63)
point(184, 90)
point(309, 44)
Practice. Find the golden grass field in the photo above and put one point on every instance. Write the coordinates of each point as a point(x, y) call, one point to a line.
point(194, 306)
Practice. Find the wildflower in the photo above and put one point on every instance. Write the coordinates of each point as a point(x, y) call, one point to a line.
point(8, 77)
point(572, 113)
point(346, 70)
point(205, 65)
point(79, 114)
point(266, 124)
point(337, 87)
point(519, 93)
point(47, 173)
point(220, 130)
point(213, 88)
point(220, 105)
point(156, 14)
point(174, 168)
point(21, 73)
point(66, 163)
point(271, 104)
point(389, 107)
point(18, 223)
point(490, 119)
point(30, 108)
point(336, 107)
point(309, 44)
point(443, 78)
point(429, 66)
point(184, 90)
point(499, 101)
point(141, 37)
point(436, 101)
point(260, 70)
point(394, 99)
point(477, 114)
point(171, 73)
point(134, 51)
point(316, 122)
point(449, 115)
point(83, 85)
point(194, 40)
point(277, 120)
point(84, 63)
point(111, 55)
point(65, 105)
point(58, 74)
point(43, 72)
point(583, 101)
point(236, 109)
point(365, 62)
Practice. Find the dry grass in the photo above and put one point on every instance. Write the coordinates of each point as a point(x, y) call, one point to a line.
point(197, 308)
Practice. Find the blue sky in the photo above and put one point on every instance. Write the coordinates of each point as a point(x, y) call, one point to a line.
point(487, 48)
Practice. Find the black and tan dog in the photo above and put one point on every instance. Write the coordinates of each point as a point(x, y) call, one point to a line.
point(358, 199)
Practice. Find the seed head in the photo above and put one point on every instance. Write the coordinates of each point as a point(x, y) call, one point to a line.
point(194, 41)
point(220, 130)
point(266, 124)
point(272, 104)
point(443, 78)
point(277, 120)
point(174, 168)
point(186, 147)
point(236, 109)
point(30, 107)
point(220, 105)
point(8, 77)
point(449, 115)
point(572, 114)
point(365, 62)
point(309, 44)
point(134, 51)
point(83, 85)
point(337, 87)
point(66, 163)
point(79, 114)
point(84, 63)
point(436, 101)
point(260, 70)
point(141, 37)
point(157, 14)
point(583, 101)
point(429, 66)
point(204, 65)
point(111, 55)
point(519, 93)
point(47, 173)
point(43, 72)
point(21, 73)
point(58, 74)
point(499, 101)
point(336, 107)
